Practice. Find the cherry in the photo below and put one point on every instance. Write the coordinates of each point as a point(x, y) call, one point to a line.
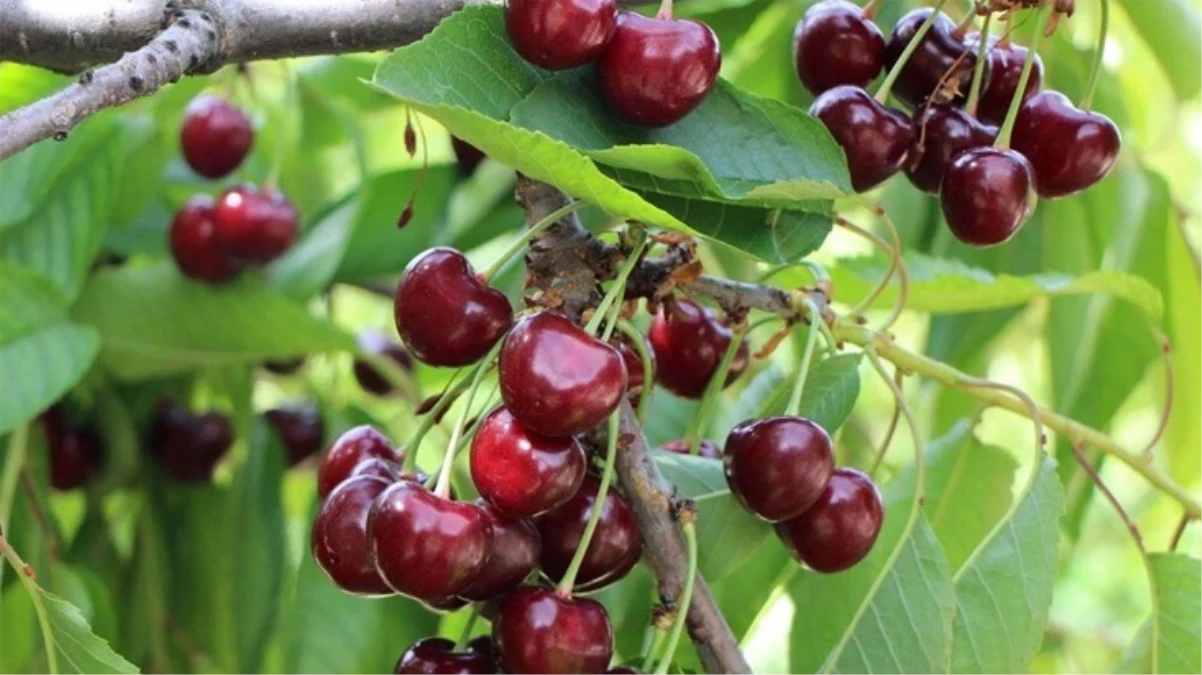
point(437, 655)
point(876, 139)
point(382, 469)
point(942, 132)
point(513, 555)
point(614, 549)
point(74, 456)
point(778, 466)
point(522, 472)
point(340, 541)
point(194, 246)
point(252, 225)
point(942, 56)
point(188, 446)
point(656, 71)
point(301, 430)
point(689, 342)
point(481, 644)
point(467, 156)
point(636, 386)
point(215, 137)
point(556, 379)
point(1069, 149)
point(445, 314)
point(560, 34)
point(705, 448)
point(426, 546)
point(348, 450)
point(840, 528)
point(284, 366)
point(1005, 68)
point(447, 605)
point(835, 44)
point(377, 343)
point(986, 195)
point(538, 631)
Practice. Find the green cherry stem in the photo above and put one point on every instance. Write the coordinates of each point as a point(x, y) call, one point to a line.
point(882, 94)
point(618, 289)
point(713, 390)
point(686, 596)
point(466, 634)
point(637, 343)
point(1095, 75)
point(468, 435)
point(657, 642)
point(14, 459)
point(435, 413)
point(607, 475)
point(35, 595)
point(1041, 21)
point(443, 487)
point(803, 370)
point(978, 73)
point(520, 243)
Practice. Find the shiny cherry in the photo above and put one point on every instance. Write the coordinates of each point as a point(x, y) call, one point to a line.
point(656, 71)
point(614, 549)
point(426, 546)
point(254, 226)
point(840, 528)
point(875, 139)
point(447, 605)
point(348, 450)
point(375, 342)
point(835, 44)
point(512, 556)
point(1005, 67)
point(75, 455)
point(560, 34)
point(705, 448)
point(636, 379)
point(778, 466)
point(339, 538)
point(522, 472)
point(986, 195)
point(215, 137)
point(942, 60)
point(189, 446)
point(301, 429)
point(467, 156)
point(538, 631)
point(1069, 149)
point(445, 314)
point(437, 656)
point(556, 379)
point(194, 246)
point(942, 132)
point(689, 342)
point(382, 469)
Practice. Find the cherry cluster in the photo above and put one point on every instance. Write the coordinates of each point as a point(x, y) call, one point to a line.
point(651, 71)
point(987, 189)
point(213, 240)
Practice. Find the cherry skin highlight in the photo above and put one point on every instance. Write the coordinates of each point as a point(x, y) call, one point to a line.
point(689, 342)
point(875, 139)
point(840, 528)
point(986, 195)
point(513, 555)
point(941, 56)
point(560, 34)
point(348, 450)
point(614, 549)
point(437, 656)
point(215, 136)
point(537, 631)
point(254, 226)
point(339, 537)
point(1069, 149)
point(941, 133)
point(835, 44)
point(778, 466)
point(194, 245)
point(523, 473)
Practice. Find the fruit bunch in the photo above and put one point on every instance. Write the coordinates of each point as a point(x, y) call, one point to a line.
point(960, 140)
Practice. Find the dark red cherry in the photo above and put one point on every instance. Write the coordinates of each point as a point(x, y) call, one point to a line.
point(875, 139)
point(194, 246)
point(835, 44)
point(301, 430)
point(437, 656)
point(636, 379)
point(348, 450)
point(560, 34)
point(986, 195)
point(189, 446)
point(1005, 63)
point(556, 379)
point(467, 156)
point(426, 546)
point(254, 226)
point(705, 448)
point(215, 137)
point(656, 71)
point(377, 343)
point(689, 342)
point(522, 472)
point(75, 455)
point(1069, 149)
point(513, 555)
point(778, 466)
point(482, 644)
point(445, 314)
point(840, 528)
point(383, 469)
point(446, 605)
point(942, 132)
point(941, 57)
point(339, 538)
point(537, 631)
point(615, 547)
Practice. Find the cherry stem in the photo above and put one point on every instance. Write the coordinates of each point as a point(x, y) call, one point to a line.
point(564, 588)
point(1095, 75)
point(431, 418)
point(882, 94)
point(657, 641)
point(637, 343)
point(466, 635)
point(713, 390)
point(35, 595)
point(1041, 21)
point(618, 289)
point(686, 598)
point(869, 9)
point(443, 487)
point(520, 243)
point(803, 370)
point(665, 10)
point(978, 73)
point(14, 459)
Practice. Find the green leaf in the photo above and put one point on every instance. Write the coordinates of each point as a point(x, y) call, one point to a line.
point(1172, 29)
point(152, 322)
point(830, 393)
point(79, 650)
point(1171, 640)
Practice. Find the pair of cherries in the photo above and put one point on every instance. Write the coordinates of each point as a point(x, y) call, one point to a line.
point(300, 429)
point(75, 451)
point(188, 446)
point(652, 71)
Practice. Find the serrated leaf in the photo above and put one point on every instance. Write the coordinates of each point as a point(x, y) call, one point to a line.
point(830, 393)
point(79, 650)
point(1171, 640)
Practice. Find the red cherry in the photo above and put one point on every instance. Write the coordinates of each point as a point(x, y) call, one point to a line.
point(445, 314)
point(301, 430)
point(840, 528)
point(521, 472)
point(380, 468)
point(537, 631)
point(876, 139)
point(512, 556)
point(74, 456)
point(986, 195)
point(254, 225)
point(556, 379)
point(1005, 67)
point(189, 447)
point(467, 156)
point(614, 549)
point(635, 377)
point(194, 247)
point(689, 342)
point(941, 133)
point(560, 34)
point(1069, 149)
point(339, 539)
point(348, 450)
point(835, 44)
point(778, 466)
point(437, 656)
point(215, 137)
point(705, 448)
point(942, 56)
point(426, 546)
point(656, 71)
point(377, 343)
